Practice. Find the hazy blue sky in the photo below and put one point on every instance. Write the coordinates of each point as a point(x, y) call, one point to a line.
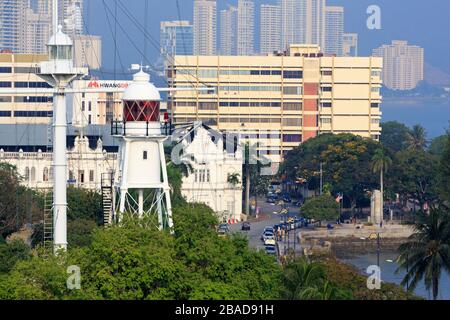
point(425, 23)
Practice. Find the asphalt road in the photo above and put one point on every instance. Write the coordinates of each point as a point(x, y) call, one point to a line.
point(272, 213)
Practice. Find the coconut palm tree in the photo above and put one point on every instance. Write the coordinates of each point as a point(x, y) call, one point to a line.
point(427, 252)
point(381, 163)
point(233, 179)
point(417, 138)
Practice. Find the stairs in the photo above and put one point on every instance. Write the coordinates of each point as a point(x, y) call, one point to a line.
point(48, 221)
point(107, 198)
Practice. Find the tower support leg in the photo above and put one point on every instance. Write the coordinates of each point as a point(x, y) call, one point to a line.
point(141, 203)
point(166, 187)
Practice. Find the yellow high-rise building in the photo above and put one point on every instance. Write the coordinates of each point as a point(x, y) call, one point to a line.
point(279, 101)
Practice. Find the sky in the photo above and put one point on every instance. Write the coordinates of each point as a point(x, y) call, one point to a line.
point(423, 23)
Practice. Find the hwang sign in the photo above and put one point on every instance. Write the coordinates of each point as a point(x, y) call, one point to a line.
point(98, 85)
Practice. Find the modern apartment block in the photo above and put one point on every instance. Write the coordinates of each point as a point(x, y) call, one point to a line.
point(270, 29)
point(245, 27)
point(403, 65)
point(88, 51)
point(19, 71)
point(334, 31)
point(205, 27)
point(302, 21)
point(228, 31)
point(280, 101)
point(71, 16)
point(176, 37)
point(350, 44)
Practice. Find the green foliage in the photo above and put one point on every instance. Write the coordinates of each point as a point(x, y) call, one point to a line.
point(12, 252)
point(381, 161)
point(321, 208)
point(417, 138)
point(427, 252)
point(79, 232)
point(175, 177)
point(303, 280)
point(438, 144)
point(84, 204)
point(394, 136)
point(444, 172)
point(17, 204)
point(346, 160)
point(414, 175)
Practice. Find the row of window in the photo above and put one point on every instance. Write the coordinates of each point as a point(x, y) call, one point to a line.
point(202, 175)
point(289, 106)
point(20, 70)
point(24, 84)
point(25, 99)
point(26, 114)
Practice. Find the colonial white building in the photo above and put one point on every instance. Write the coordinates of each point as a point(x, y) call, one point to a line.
point(213, 161)
point(85, 165)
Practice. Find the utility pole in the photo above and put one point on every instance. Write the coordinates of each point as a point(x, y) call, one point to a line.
point(378, 249)
point(321, 178)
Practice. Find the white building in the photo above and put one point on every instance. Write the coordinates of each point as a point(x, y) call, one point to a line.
point(205, 27)
point(302, 22)
point(270, 29)
point(245, 27)
point(228, 31)
point(350, 44)
point(334, 37)
point(403, 65)
point(85, 165)
point(88, 51)
point(213, 163)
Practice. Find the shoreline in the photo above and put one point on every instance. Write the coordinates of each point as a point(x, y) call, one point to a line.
point(415, 100)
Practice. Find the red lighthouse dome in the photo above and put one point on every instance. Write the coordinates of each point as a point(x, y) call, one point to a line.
point(141, 100)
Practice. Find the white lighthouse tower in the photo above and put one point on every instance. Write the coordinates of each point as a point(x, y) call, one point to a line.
point(142, 185)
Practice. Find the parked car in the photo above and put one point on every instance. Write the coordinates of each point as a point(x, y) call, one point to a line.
point(222, 232)
point(246, 226)
point(271, 250)
point(270, 229)
point(224, 226)
point(269, 242)
point(267, 235)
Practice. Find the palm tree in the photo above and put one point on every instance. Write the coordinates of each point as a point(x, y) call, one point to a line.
point(427, 251)
point(417, 138)
point(381, 163)
point(233, 179)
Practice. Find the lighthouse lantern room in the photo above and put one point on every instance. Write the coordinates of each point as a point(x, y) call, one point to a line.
point(142, 186)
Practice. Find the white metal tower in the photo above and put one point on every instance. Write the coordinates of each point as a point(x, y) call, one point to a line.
point(142, 185)
point(59, 72)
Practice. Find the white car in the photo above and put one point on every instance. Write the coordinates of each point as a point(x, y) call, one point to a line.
point(269, 242)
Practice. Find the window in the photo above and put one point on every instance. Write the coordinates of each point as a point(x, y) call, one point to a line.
point(327, 73)
point(5, 84)
point(202, 175)
point(33, 174)
point(27, 174)
point(145, 155)
point(326, 104)
point(292, 90)
point(91, 175)
point(89, 119)
point(325, 120)
point(375, 121)
point(327, 89)
point(292, 74)
point(5, 114)
point(375, 89)
point(28, 99)
point(5, 99)
point(45, 175)
point(207, 106)
point(5, 70)
point(292, 106)
point(90, 106)
point(292, 122)
point(376, 73)
point(81, 176)
point(375, 105)
point(292, 138)
point(33, 114)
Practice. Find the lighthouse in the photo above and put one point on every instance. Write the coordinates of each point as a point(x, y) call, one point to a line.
point(141, 185)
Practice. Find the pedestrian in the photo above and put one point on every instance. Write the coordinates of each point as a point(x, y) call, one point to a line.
point(381, 224)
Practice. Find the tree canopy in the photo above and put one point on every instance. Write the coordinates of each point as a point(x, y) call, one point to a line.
point(321, 208)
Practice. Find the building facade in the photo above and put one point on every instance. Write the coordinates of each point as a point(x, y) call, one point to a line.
point(334, 27)
point(88, 51)
point(96, 108)
point(270, 29)
point(71, 16)
point(176, 38)
point(245, 27)
point(279, 101)
point(85, 165)
point(20, 71)
point(11, 19)
point(350, 44)
point(213, 162)
point(228, 31)
point(403, 65)
point(302, 22)
point(205, 27)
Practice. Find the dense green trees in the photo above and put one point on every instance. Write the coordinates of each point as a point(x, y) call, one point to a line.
point(394, 136)
point(444, 170)
point(427, 253)
point(322, 208)
point(346, 161)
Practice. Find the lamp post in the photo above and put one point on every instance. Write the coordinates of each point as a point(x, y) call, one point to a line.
point(378, 249)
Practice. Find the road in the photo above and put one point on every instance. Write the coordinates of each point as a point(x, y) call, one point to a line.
point(272, 217)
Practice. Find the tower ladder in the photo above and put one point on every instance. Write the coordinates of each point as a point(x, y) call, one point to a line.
point(107, 198)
